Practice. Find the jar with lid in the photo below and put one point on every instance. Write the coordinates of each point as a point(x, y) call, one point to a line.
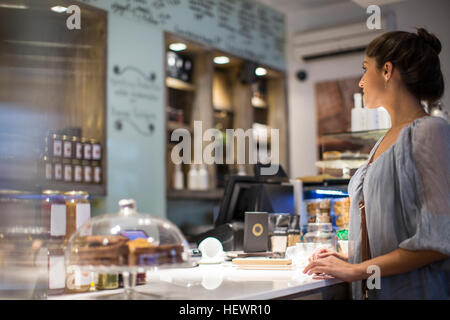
point(108, 281)
point(55, 145)
point(57, 169)
point(87, 172)
point(46, 168)
point(77, 144)
point(96, 150)
point(77, 280)
point(78, 210)
point(97, 172)
point(77, 171)
point(68, 170)
point(53, 213)
point(56, 269)
point(87, 149)
point(279, 240)
point(320, 233)
point(67, 147)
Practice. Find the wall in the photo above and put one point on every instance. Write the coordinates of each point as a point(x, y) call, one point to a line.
point(136, 135)
point(408, 14)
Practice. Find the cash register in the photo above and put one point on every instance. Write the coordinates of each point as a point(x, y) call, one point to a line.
point(272, 194)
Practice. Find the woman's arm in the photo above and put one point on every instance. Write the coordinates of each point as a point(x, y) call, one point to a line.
point(396, 262)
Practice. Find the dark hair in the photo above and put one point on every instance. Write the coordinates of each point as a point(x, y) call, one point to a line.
point(415, 56)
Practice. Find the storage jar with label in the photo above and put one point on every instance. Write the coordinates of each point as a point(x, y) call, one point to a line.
point(55, 145)
point(87, 172)
point(87, 149)
point(56, 270)
point(68, 170)
point(96, 150)
point(57, 169)
point(67, 147)
point(77, 171)
point(97, 172)
point(54, 214)
point(78, 210)
point(46, 168)
point(78, 145)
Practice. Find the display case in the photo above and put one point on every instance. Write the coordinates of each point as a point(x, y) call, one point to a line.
point(341, 154)
point(126, 243)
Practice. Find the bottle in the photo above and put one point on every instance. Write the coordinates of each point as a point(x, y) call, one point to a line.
point(372, 119)
point(203, 178)
point(178, 178)
point(358, 116)
point(193, 178)
point(384, 120)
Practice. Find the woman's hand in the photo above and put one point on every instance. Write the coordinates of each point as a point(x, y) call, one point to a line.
point(324, 252)
point(333, 267)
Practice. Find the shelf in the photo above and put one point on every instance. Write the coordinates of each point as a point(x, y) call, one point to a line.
point(179, 85)
point(38, 186)
point(365, 135)
point(214, 194)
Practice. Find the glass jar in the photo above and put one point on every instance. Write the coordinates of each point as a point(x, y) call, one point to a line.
point(77, 281)
point(279, 240)
point(78, 210)
point(78, 146)
point(68, 170)
point(108, 281)
point(96, 150)
point(56, 270)
point(87, 149)
point(67, 147)
point(97, 172)
point(46, 168)
point(320, 233)
point(53, 214)
point(57, 169)
point(77, 171)
point(55, 145)
point(87, 172)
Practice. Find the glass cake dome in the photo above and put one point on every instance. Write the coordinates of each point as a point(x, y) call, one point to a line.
point(127, 241)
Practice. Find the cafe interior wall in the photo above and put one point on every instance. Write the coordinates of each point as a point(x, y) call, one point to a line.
point(136, 88)
point(406, 15)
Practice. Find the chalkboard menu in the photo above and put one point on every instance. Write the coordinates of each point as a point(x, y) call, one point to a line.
point(241, 27)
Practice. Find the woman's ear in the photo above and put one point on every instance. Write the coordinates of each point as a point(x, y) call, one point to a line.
point(387, 70)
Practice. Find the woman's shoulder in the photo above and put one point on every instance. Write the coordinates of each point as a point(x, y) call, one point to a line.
point(430, 124)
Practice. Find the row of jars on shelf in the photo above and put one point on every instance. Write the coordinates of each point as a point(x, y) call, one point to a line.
point(69, 170)
point(72, 147)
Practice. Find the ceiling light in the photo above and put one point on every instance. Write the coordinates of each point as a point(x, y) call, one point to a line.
point(221, 60)
point(178, 46)
point(13, 6)
point(260, 72)
point(59, 9)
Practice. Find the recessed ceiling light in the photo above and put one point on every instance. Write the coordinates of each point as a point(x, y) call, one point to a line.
point(178, 46)
point(260, 71)
point(221, 60)
point(59, 9)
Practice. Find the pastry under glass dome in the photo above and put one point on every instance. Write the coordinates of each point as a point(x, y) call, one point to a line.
point(127, 242)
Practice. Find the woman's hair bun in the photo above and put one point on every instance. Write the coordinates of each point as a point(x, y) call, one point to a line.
point(429, 39)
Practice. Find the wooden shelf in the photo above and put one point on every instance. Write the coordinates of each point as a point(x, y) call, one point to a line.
point(179, 85)
point(185, 194)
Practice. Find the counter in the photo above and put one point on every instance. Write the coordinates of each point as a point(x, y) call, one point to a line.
point(226, 282)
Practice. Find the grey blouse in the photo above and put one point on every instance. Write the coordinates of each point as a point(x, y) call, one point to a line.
point(407, 198)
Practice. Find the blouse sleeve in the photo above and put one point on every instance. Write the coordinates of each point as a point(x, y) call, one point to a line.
point(431, 157)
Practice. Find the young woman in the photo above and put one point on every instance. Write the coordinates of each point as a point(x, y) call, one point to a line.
point(405, 184)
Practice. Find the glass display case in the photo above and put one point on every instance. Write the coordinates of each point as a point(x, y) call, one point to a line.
point(126, 244)
point(341, 154)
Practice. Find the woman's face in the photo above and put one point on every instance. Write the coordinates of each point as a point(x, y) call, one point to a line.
point(372, 83)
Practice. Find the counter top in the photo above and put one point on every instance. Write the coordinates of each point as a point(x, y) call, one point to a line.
point(215, 282)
